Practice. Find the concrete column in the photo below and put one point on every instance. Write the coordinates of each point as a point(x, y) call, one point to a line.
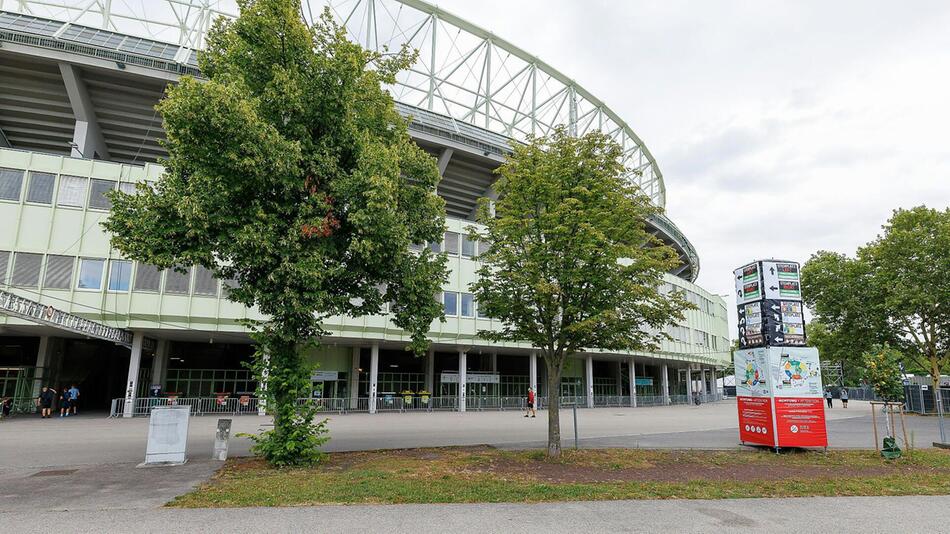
point(665, 382)
point(373, 376)
point(88, 141)
point(712, 382)
point(160, 362)
point(494, 362)
point(533, 372)
point(619, 378)
point(463, 380)
point(589, 373)
point(430, 371)
point(633, 382)
point(42, 362)
point(132, 384)
point(354, 378)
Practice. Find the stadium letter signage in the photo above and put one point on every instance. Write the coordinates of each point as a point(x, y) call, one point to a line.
point(30, 310)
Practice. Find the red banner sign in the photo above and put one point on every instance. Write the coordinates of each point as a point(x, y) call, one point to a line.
point(800, 422)
point(755, 421)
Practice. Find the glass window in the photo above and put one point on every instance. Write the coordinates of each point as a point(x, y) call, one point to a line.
point(468, 246)
point(452, 243)
point(11, 182)
point(72, 191)
point(205, 283)
point(59, 272)
point(127, 188)
point(4, 260)
point(26, 269)
point(177, 283)
point(415, 247)
point(90, 273)
point(97, 198)
point(450, 301)
point(481, 312)
point(468, 305)
point(120, 274)
point(147, 277)
point(482, 247)
point(41, 188)
point(435, 247)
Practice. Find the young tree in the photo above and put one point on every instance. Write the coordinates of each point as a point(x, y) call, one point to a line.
point(896, 289)
point(569, 264)
point(290, 172)
point(883, 373)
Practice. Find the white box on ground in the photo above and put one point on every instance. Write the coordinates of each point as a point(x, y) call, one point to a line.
point(167, 435)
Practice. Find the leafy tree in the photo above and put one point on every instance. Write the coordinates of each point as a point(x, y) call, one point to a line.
point(569, 264)
point(882, 372)
point(834, 348)
point(290, 172)
point(896, 290)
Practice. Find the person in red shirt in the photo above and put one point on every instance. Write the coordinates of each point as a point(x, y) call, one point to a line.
point(531, 410)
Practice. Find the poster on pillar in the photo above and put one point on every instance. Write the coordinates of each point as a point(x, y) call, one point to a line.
point(779, 394)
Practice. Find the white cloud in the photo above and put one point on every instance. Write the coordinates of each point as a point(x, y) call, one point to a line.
point(781, 128)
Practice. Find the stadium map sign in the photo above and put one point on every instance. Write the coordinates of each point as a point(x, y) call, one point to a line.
point(778, 381)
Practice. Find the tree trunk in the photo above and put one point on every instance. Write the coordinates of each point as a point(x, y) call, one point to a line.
point(554, 406)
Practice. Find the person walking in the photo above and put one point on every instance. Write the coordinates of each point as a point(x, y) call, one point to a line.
point(844, 397)
point(828, 397)
point(530, 412)
point(5, 407)
point(45, 401)
point(73, 398)
point(64, 403)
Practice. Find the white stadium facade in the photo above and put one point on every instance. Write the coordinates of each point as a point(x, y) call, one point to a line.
point(79, 81)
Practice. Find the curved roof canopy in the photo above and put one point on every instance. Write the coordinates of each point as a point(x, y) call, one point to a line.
point(464, 71)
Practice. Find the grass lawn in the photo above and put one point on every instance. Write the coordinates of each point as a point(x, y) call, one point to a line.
point(484, 474)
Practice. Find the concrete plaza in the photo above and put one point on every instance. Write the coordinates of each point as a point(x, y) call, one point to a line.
point(79, 474)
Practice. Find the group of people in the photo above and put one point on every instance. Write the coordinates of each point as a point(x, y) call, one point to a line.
point(68, 401)
point(843, 395)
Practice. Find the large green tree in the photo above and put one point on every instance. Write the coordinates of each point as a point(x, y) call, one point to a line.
point(569, 264)
point(290, 173)
point(895, 290)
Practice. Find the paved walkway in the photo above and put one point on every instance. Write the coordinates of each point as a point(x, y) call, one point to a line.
point(90, 439)
point(864, 515)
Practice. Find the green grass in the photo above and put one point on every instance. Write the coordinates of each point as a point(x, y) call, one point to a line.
point(460, 475)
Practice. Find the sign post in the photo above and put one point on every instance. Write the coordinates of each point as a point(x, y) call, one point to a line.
point(778, 380)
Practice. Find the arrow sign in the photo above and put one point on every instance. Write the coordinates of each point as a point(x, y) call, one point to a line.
point(775, 308)
point(773, 288)
point(742, 321)
point(779, 339)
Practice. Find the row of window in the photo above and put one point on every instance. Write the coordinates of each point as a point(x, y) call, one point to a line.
point(684, 334)
point(73, 191)
point(702, 303)
point(455, 244)
point(94, 274)
point(458, 304)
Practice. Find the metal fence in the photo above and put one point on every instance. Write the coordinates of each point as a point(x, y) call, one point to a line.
point(921, 399)
point(399, 404)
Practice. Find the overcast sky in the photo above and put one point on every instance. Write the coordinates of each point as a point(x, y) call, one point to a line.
point(781, 128)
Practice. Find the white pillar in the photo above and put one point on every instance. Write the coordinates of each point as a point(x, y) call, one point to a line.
point(355, 378)
point(132, 384)
point(589, 368)
point(533, 373)
point(373, 376)
point(712, 382)
point(463, 379)
point(665, 381)
point(633, 382)
point(430, 371)
point(494, 362)
point(619, 378)
point(160, 362)
point(42, 362)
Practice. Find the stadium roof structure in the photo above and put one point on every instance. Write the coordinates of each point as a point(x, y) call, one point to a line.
point(464, 72)
point(469, 88)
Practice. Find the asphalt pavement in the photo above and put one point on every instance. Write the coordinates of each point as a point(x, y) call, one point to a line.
point(864, 515)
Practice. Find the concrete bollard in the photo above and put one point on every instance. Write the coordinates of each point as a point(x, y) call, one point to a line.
point(221, 436)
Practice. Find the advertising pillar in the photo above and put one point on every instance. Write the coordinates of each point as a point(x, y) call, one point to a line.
point(778, 379)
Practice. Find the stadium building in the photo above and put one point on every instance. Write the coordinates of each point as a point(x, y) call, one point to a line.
point(79, 81)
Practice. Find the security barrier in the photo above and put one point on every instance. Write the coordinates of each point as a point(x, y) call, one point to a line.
point(398, 404)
